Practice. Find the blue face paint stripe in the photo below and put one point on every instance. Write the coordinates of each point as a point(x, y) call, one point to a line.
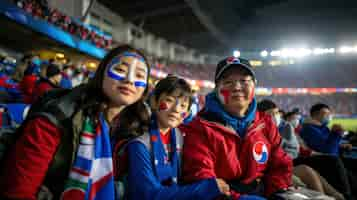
point(115, 76)
point(121, 78)
point(140, 84)
point(116, 60)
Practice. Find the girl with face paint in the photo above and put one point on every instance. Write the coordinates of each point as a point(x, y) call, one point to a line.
point(126, 78)
point(66, 146)
point(154, 157)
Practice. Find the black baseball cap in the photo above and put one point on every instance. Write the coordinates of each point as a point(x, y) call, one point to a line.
point(230, 62)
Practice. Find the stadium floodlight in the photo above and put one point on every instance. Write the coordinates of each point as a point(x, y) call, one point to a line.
point(236, 54)
point(286, 53)
point(346, 49)
point(275, 53)
point(318, 51)
point(295, 53)
point(301, 52)
point(264, 53)
point(331, 50)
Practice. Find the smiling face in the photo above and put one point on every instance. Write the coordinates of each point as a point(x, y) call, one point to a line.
point(172, 109)
point(125, 79)
point(236, 90)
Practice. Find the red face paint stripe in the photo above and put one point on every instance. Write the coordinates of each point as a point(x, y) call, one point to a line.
point(163, 106)
point(251, 96)
point(225, 93)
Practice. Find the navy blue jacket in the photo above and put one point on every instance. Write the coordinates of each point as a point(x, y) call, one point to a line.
point(143, 183)
point(319, 138)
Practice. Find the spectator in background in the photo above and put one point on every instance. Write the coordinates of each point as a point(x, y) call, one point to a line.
point(286, 128)
point(231, 140)
point(44, 7)
point(30, 78)
point(325, 146)
point(28, 6)
point(288, 131)
point(21, 67)
point(54, 17)
point(303, 175)
point(78, 77)
point(8, 87)
point(51, 81)
point(67, 74)
point(34, 66)
point(318, 136)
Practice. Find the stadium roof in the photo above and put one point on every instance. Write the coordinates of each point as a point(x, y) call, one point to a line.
point(220, 26)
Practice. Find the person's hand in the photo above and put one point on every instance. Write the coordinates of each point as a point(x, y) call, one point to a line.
point(337, 128)
point(223, 187)
point(346, 146)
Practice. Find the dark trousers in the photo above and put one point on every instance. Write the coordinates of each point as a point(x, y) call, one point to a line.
point(332, 169)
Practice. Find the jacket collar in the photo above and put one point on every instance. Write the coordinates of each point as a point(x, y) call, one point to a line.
point(239, 124)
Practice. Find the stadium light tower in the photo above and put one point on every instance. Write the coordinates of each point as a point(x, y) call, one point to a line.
point(236, 53)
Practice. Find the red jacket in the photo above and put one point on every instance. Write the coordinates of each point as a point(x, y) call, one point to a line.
point(27, 86)
point(212, 150)
point(23, 174)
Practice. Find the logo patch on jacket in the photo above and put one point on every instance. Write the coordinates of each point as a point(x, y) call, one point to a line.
point(260, 152)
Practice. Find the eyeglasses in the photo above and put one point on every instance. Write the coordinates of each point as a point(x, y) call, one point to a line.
point(242, 83)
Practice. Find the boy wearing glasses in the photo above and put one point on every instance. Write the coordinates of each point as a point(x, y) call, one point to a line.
point(233, 141)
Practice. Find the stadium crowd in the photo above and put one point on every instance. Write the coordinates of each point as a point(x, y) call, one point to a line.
point(341, 103)
point(160, 147)
point(41, 10)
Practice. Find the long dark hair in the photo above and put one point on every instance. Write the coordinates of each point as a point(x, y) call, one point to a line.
point(94, 86)
point(134, 120)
